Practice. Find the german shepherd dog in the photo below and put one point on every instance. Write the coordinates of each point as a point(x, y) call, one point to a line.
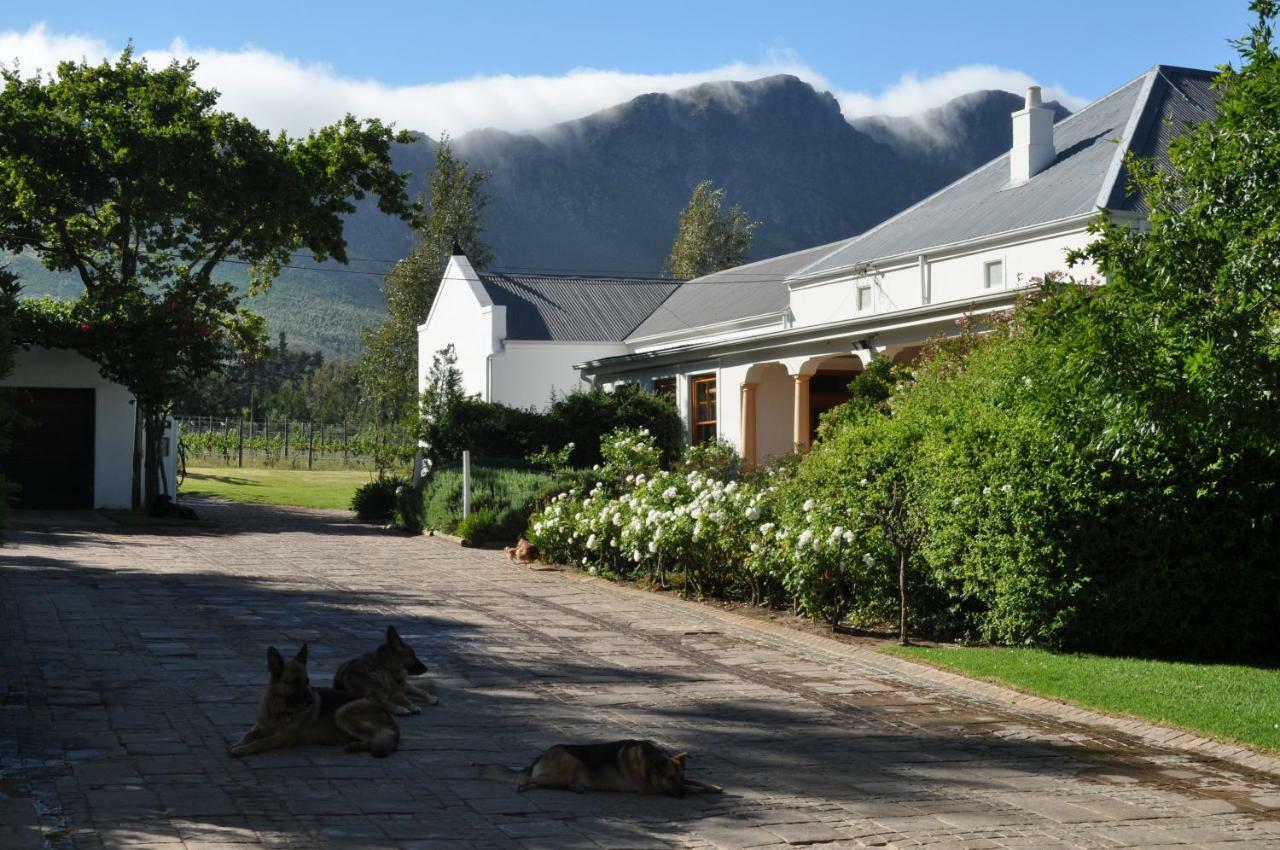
point(637, 767)
point(292, 712)
point(383, 675)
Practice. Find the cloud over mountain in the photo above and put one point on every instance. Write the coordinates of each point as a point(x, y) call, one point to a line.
point(281, 92)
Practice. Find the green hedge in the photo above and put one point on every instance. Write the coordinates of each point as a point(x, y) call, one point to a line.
point(505, 496)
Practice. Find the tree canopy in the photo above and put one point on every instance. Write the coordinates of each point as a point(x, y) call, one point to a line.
point(130, 177)
point(710, 238)
point(389, 364)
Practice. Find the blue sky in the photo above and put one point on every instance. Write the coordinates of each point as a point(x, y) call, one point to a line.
point(513, 64)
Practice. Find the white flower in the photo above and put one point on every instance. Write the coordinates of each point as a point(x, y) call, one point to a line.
point(1005, 488)
point(755, 547)
point(653, 546)
point(955, 501)
point(595, 468)
point(809, 504)
point(863, 482)
point(753, 513)
point(848, 537)
point(591, 542)
point(669, 493)
point(584, 560)
point(805, 537)
point(766, 528)
point(986, 491)
point(635, 556)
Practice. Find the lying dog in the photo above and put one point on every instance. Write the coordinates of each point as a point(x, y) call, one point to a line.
point(522, 552)
point(638, 767)
point(292, 712)
point(384, 675)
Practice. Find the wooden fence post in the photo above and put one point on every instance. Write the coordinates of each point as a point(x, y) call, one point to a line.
point(286, 438)
point(311, 432)
point(240, 440)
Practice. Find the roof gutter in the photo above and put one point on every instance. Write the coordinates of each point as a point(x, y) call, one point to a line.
point(808, 334)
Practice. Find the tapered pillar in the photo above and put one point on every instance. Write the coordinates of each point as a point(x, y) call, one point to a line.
point(747, 443)
point(800, 432)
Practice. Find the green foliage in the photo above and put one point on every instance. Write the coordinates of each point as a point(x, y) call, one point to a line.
point(376, 501)
point(389, 363)
point(130, 177)
point(716, 458)
point(409, 513)
point(486, 525)
point(583, 417)
point(709, 238)
point(509, 493)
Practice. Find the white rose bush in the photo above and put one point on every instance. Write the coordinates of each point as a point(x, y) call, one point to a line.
point(708, 537)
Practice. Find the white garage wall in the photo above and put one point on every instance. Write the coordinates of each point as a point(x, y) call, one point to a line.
point(113, 416)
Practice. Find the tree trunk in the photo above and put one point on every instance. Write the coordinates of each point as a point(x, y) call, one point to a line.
point(135, 496)
point(152, 462)
point(902, 598)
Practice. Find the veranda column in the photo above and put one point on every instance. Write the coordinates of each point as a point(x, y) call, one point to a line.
point(800, 432)
point(747, 443)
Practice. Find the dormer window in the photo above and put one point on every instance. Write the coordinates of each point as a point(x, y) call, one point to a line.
point(864, 298)
point(993, 275)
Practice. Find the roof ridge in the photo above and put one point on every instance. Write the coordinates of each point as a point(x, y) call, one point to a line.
point(572, 277)
point(970, 175)
point(626, 336)
point(1141, 109)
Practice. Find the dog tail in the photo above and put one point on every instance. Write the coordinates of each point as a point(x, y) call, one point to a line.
point(385, 742)
point(498, 773)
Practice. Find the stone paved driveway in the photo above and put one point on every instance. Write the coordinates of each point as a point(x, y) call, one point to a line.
point(131, 659)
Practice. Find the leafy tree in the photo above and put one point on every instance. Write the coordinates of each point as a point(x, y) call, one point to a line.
point(709, 238)
point(441, 396)
point(389, 364)
point(130, 177)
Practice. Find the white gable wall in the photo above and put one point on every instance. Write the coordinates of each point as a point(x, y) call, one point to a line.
point(527, 372)
point(462, 315)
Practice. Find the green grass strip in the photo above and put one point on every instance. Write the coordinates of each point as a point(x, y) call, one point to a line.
point(1225, 701)
point(298, 488)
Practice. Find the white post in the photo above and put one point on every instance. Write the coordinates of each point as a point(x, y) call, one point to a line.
point(466, 483)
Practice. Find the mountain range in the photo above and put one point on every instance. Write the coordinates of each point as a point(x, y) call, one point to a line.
point(602, 193)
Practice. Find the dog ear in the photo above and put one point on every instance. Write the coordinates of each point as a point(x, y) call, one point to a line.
point(275, 662)
point(301, 657)
point(680, 758)
point(393, 637)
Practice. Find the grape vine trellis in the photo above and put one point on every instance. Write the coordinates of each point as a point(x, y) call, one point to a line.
point(285, 442)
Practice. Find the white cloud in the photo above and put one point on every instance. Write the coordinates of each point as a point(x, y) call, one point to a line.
point(279, 92)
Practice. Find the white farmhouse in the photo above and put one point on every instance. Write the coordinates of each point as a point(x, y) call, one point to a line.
point(756, 353)
point(519, 337)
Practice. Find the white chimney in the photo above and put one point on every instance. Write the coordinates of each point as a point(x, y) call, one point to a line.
point(1033, 149)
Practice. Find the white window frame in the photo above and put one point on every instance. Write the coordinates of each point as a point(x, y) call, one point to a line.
point(986, 274)
point(858, 305)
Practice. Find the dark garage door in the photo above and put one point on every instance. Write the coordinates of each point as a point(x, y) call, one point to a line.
point(50, 455)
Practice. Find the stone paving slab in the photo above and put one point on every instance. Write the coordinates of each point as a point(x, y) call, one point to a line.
point(131, 659)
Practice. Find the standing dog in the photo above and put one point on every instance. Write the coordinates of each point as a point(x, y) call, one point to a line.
point(383, 675)
point(638, 767)
point(292, 712)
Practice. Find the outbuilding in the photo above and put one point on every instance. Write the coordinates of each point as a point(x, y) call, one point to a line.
point(72, 441)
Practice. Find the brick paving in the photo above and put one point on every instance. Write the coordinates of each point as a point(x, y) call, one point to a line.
point(131, 659)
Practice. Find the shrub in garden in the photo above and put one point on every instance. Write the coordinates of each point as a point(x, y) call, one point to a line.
point(487, 525)
point(716, 458)
point(507, 492)
point(584, 417)
point(376, 500)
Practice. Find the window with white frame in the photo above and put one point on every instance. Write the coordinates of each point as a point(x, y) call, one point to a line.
point(864, 297)
point(993, 274)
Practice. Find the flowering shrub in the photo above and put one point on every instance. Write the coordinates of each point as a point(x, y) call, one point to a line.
point(710, 537)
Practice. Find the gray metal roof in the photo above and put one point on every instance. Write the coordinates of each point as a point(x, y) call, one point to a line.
point(1155, 108)
point(1179, 98)
point(754, 289)
point(575, 309)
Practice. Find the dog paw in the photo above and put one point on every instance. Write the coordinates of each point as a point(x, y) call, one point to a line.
point(435, 700)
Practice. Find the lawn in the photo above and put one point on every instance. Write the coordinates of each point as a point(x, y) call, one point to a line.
point(1225, 701)
point(299, 487)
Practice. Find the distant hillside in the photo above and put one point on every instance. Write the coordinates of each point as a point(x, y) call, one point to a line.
point(602, 192)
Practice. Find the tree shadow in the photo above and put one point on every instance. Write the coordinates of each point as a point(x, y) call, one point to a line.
point(125, 685)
